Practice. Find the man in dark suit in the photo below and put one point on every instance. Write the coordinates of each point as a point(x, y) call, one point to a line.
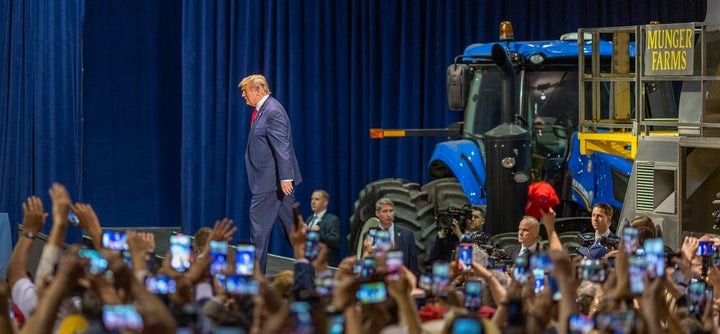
point(272, 168)
point(327, 224)
point(528, 231)
point(401, 238)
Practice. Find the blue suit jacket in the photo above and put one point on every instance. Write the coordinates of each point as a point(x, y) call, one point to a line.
point(330, 235)
point(405, 242)
point(270, 156)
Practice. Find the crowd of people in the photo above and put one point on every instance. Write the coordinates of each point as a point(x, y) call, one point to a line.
point(634, 287)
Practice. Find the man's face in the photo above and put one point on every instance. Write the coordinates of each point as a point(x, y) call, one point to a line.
point(527, 232)
point(600, 220)
point(317, 202)
point(251, 95)
point(477, 221)
point(386, 214)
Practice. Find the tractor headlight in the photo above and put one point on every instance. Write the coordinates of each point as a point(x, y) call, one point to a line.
point(537, 58)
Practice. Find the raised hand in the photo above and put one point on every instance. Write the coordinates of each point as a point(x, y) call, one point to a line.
point(61, 203)
point(87, 217)
point(34, 215)
point(223, 230)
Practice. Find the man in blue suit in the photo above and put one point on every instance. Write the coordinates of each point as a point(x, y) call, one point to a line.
point(272, 168)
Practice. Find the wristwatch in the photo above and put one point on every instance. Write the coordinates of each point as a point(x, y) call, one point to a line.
point(30, 234)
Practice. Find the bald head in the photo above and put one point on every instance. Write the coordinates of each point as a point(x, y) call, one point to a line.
point(528, 231)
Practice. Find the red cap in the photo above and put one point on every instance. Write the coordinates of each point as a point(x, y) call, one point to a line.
point(541, 195)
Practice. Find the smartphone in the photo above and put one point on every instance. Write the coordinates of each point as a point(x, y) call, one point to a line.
point(218, 256)
point(369, 265)
point(297, 215)
point(372, 292)
point(630, 239)
point(655, 257)
point(426, 282)
point(357, 267)
point(97, 265)
point(336, 323)
point(114, 240)
point(312, 245)
point(465, 257)
point(382, 242)
point(541, 261)
point(440, 278)
point(617, 322)
point(180, 252)
point(324, 286)
point(521, 269)
point(636, 272)
point(538, 279)
point(300, 311)
point(580, 324)
point(394, 263)
point(127, 258)
point(516, 318)
point(73, 218)
point(473, 291)
point(706, 248)
point(466, 324)
point(372, 232)
point(696, 297)
point(591, 270)
point(241, 285)
point(245, 259)
point(122, 317)
point(160, 284)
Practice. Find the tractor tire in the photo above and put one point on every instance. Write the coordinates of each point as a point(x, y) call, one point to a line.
point(412, 210)
point(415, 208)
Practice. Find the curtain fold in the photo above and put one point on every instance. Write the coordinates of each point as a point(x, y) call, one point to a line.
point(40, 101)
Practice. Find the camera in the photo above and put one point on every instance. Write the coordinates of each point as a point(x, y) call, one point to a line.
point(445, 218)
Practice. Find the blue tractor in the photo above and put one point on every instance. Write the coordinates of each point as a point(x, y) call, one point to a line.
point(521, 107)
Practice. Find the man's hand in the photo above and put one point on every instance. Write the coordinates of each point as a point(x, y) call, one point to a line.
point(297, 239)
point(287, 187)
point(61, 203)
point(34, 215)
point(223, 230)
point(456, 229)
point(689, 247)
point(87, 217)
point(548, 218)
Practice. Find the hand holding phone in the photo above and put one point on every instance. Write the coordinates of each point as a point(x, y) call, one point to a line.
point(114, 240)
point(312, 245)
point(465, 257)
point(473, 291)
point(218, 256)
point(372, 292)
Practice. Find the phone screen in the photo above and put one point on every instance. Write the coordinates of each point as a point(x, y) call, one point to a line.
point(539, 279)
point(520, 271)
point(554, 288)
point(591, 270)
point(382, 242)
point(466, 325)
point(465, 257)
point(655, 257)
point(372, 292)
point(122, 317)
point(368, 267)
point(580, 324)
point(241, 285)
point(324, 286)
point(425, 282)
point(245, 259)
point(636, 272)
point(312, 245)
point(696, 297)
point(473, 291)
point(336, 323)
point(373, 235)
point(97, 265)
point(706, 248)
point(630, 239)
point(160, 284)
point(441, 278)
point(180, 252)
point(394, 263)
point(541, 261)
point(114, 240)
point(73, 218)
point(303, 319)
point(218, 256)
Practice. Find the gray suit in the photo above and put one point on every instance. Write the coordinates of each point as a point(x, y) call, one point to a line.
point(270, 158)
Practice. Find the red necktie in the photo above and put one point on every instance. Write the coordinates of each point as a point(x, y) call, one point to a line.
point(252, 121)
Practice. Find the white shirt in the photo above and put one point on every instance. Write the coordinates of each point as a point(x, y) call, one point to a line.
point(316, 218)
point(531, 249)
point(392, 232)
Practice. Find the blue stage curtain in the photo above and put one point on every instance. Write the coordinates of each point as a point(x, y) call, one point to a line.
point(342, 67)
point(40, 100)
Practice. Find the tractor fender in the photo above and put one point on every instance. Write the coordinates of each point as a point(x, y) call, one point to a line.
point(461, 159)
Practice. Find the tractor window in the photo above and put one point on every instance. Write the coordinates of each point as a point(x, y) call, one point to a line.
point(483, 108)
